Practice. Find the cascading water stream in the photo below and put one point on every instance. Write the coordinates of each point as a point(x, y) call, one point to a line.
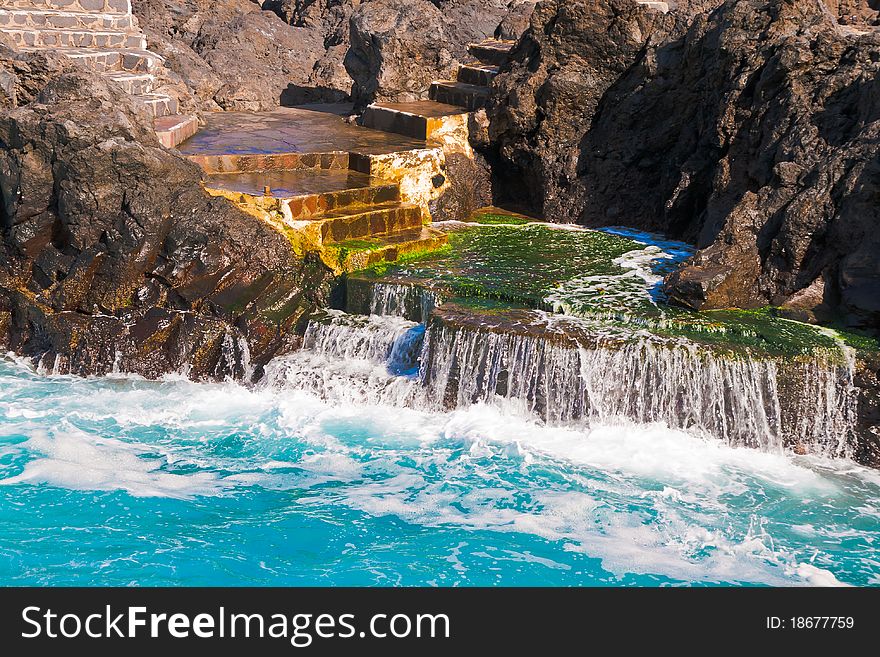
point(742, 400)
point(769, 403)
point(496, 443)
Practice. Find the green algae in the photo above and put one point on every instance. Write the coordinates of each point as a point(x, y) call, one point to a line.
point(520, 264)
point(760, 328)
point(348, 248)
point(509, 263)
point(861, 342)
point(494, 219)
point(387, 267)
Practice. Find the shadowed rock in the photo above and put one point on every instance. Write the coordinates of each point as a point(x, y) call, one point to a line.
point(751, 130)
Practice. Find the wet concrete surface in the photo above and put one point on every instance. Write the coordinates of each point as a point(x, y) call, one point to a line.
point(427, 108)
point(291, 130)
point(289, 184)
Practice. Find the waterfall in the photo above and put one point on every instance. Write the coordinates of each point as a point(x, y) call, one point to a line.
point(744, 400)
point(235, 356)
point(399, 343)
point(355, 359)
point(762, 402)
point(342, 336)
point(398, 299)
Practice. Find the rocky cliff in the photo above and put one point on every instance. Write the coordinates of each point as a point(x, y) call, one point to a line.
point(113, 256)
point(751, 130)
point(257, 54)
point(234, 55)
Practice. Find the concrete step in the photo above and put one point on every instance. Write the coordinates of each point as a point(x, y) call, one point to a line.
point(103, 60)
point(174, 129)
point(158, 105)
point(73, 6)
point(420, 119)
point(480, 75)
point(492, 51)
point(136, 84)
point(469, 96)
point(365, 253)
point(59, 38)
point(304, 194)
point(68, 20)
point(376, 221)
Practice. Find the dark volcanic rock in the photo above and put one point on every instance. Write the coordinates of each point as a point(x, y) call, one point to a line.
point(517, 20)
point(867, 380)
point(257, 54)
point(112, 254)
point(399, 47)
point(751, 130)
point(471, 188)
point(236, 56)
point(545, 99)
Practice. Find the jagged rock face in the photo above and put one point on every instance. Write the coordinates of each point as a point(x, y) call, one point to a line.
point(514, 25)
point(331, 15)
point(113, 256)
point(867, 381)
point(854, 12)
point(236, 56)
point(257, 54)
point(751, 130)
point(399, 47)
point(470, 188)
point(544, 100)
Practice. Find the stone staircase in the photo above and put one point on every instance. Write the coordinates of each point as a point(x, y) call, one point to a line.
point(102, 36)
point(446, 113)
point(353, 220)
point(355, 197)
point(471, 88)
point(445, 116)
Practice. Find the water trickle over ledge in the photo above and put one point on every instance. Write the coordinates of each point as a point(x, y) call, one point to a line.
point(473, 326)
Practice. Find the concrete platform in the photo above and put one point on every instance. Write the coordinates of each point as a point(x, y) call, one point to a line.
point(287, 184)
point(477, 74)
point(420, 119)
point(366, 253)
point(175, 129)
point(304, 194)
point(492, 52)
point(353, 195)
point(451, 92)
point(291, 130)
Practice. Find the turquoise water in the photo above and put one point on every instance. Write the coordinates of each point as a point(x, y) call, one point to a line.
point(122, 481)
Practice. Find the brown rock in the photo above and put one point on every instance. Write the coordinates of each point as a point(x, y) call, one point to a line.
point(235, 56)
point(399, 47)
point(113, 256)
point(470, 188)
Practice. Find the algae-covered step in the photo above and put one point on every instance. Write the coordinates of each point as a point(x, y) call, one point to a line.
point(611, 277)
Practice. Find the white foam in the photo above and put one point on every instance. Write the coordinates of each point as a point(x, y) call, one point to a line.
point(644, 499)
point(816, 576)
point(75, 460)
point(648, 451)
